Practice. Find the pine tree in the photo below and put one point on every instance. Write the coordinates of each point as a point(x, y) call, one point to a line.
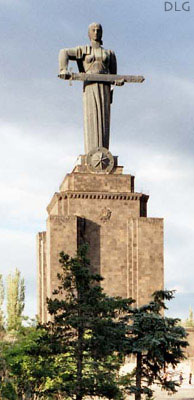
point(15, 300)
point(86, 333)
point(156, 342)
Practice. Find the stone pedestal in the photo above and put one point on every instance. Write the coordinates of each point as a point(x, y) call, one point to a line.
point(125, 246)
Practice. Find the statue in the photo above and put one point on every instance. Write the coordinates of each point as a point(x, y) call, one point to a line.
point(97, 69)
point(96, 96)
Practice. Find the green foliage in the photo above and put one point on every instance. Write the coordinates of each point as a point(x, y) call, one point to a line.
point(7, 391)
point(1, 303)
point(25, 363)
point(156, 341)
point(80, 351)
point(15, 300)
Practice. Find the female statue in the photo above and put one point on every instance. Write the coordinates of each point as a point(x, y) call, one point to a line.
point(93, 59)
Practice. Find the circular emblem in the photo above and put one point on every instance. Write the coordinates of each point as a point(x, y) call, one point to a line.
point(100, 160)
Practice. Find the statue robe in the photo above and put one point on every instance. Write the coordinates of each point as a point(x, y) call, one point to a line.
point(96, 96)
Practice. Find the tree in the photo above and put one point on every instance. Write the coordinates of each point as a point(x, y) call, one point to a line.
point(85, 333)
point(15, 300)
point(24, 364)
point(189, 323)
point(157, 342)
point(80, 351)
point(1, 304)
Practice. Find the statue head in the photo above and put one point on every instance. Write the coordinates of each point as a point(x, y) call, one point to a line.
point(95, 32)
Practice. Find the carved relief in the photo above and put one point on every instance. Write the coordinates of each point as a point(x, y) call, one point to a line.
point(105, 214)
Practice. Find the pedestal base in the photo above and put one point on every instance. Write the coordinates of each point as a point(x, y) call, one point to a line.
point(125, 246)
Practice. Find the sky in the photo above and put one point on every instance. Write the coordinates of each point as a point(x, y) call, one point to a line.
point(152, 125)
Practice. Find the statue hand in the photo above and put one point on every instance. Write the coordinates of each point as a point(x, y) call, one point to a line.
point(65, 74)
point(120, 82)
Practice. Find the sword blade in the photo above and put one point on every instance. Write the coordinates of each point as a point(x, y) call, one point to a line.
point(109, 78)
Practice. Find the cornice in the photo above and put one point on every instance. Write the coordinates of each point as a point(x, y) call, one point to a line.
point(96, 196)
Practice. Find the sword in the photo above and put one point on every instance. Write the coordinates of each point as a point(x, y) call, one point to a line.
point(104, 78)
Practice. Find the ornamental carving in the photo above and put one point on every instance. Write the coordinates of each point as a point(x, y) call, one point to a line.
point(105, 214)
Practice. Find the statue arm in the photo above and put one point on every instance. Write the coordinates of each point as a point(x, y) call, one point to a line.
point(64, 56)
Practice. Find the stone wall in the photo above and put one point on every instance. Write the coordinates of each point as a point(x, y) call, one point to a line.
point(125, 246)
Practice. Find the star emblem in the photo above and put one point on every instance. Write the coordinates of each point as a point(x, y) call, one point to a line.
point(100, 160)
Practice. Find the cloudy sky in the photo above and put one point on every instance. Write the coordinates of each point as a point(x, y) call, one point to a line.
point(152, 125)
